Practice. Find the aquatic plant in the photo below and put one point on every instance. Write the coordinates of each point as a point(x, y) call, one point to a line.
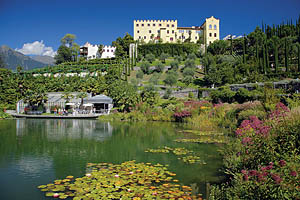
point(128, 180)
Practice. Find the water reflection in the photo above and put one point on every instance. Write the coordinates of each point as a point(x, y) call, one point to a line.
point(58, 129)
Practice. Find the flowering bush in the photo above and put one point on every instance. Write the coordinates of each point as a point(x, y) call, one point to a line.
point(264, 160)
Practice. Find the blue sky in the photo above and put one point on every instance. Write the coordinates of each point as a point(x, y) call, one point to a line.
point(101, 22)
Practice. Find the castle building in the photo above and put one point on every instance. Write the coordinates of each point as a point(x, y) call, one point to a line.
point(168, 31)
point(90, 51)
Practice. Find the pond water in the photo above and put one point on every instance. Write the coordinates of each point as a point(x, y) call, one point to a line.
point(38, 151)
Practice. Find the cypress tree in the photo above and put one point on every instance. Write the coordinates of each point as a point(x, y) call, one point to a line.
point(244, 50)
point(276, 57)
point(286, 64)
point(267, 58)
point(231, 45)
point(264, 59)
point(298, 57)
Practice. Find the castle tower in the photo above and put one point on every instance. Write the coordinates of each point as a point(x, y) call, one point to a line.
point(211, 30)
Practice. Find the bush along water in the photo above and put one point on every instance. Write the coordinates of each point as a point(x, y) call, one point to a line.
point(263, 162)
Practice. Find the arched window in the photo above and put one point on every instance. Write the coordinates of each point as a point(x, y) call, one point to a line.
point(210, 26)
point(215, 27)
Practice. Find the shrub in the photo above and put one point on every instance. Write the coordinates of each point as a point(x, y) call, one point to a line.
point(188, 72)
point(171, 78)
point(145, 67)
point(174, 65)
point(139, 74)
point(163, 57)
point(167, 93)
point(159, 67)
point(150, 57)
point(189, 63)
point(154, 79)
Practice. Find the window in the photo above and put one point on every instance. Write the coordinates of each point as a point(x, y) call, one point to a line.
point(158, 31)
point(148, 24)
point(210, 26)
point(181, 31)
point(145, 37)
point(215, 35)
point(142, 24)
point(179, 37)
point(139, 37)
point(209, 42)
point(138, 31)
point(183, 37)
point(209, 34)
point(107, 50)
point(149, 31)
point(159, 24)
point(172, 31)
point(171, 39)
point(168, 25)
point(137, 24)
point(187, 31)
point(112, 50)
point(195, 38)
point(167, 31)
point(153, 24)
point(215, 27)
point(172, 25)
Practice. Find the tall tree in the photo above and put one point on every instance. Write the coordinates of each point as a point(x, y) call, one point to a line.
point(122, 45)
point(64, 54)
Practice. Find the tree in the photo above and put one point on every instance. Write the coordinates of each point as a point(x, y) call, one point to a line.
point(150, 57)
point(64, 54)
point(171, 78)
point(122, 45)
point(2, 62)
point(100, 50)
point(68, 40)
point(154, 79)
point(139, 74)
point(159, 67)
point(218, 47)
point(145, 67)
point(81, 96)
point(174, 65)
point(188, 72)
point(163, 57)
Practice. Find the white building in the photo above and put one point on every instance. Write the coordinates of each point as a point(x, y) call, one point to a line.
point(90, 51)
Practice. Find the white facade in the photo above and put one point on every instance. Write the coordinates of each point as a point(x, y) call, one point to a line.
point(91, 51)
point(108, 52)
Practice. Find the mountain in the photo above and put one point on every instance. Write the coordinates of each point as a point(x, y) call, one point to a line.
point(13, 59)
point(48, 60)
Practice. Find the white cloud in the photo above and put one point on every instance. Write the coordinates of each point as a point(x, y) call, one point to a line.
point(37, 48)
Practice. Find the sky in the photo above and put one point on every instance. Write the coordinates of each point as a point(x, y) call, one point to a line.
point(35, 27)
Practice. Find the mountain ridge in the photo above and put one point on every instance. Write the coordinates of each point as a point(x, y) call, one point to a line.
point(13, 59)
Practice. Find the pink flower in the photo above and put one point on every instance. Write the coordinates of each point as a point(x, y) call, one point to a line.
point(55, 195)
point(246, 178)
point(293, 173)
point(244, 171)
point(282, 163)
point(276, 178)
point(117, 176)
point(252, 173)
point(88, 175)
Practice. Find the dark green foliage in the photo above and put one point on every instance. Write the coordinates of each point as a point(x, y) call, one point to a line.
point(168, 48)
point(154, 78)
point(223, 94)
point(159, 67)
point(189, 63)
point(150, 57)
point(218, 47)
point(174, 65)
point(122, 45)
point(167, 93)
point(2, 62)
point(145, 67)
point(171, 78)
point(188, 79)
point(163, 57)
point(64, 54)
point(188, 71)
point(140, 74)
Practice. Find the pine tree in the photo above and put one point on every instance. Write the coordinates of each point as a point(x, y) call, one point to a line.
point(298, 57)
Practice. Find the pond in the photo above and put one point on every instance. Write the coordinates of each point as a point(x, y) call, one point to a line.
point(38, 151)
